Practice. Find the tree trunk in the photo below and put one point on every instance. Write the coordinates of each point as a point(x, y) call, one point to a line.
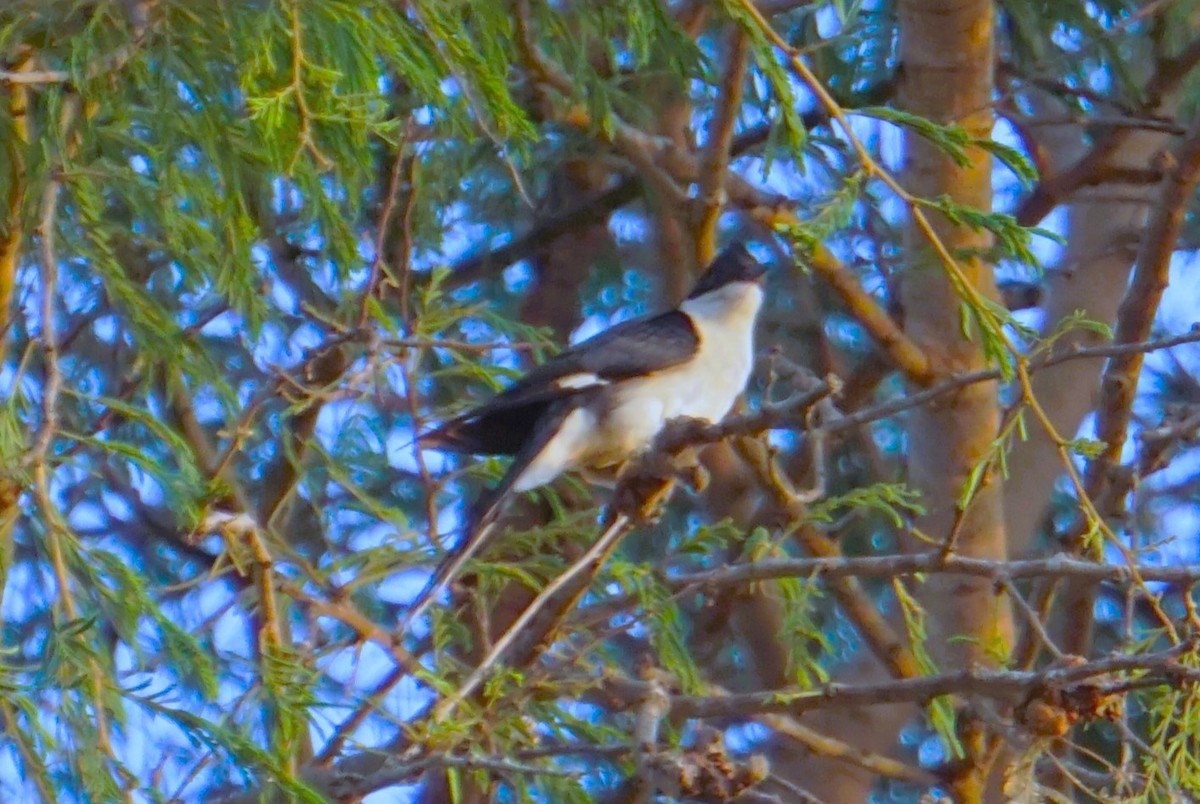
point(1103, 229)
point(947, 52)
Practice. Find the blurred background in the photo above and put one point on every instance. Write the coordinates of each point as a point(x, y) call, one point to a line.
point(251, 249)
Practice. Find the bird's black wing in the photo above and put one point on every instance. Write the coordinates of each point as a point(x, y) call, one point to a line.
point(635, 348)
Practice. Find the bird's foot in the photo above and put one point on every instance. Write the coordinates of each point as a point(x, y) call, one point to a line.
point(642, 497)
point(655, 465)
point(683, 431)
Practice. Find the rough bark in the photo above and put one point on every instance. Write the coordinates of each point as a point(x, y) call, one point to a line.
point(947, 52)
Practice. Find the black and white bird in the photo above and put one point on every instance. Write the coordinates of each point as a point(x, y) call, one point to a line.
point(603, 401)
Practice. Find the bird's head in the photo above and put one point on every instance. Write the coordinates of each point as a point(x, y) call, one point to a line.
point(734, 264)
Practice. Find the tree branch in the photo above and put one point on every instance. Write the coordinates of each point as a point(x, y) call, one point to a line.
point(1118, 387)
point(906, 355)
point(715, 161)
point(588, 563)
point(19, 77)
point(1136, 313)
point(831, 748)
point(1091, 167)
point(1010, 686)
point(627, 190)
point(545, 231)
point(13, 225)
point(890, 566)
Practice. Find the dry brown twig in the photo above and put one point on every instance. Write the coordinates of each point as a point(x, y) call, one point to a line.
point(1100, 676)
point(1094, 167)
point(717, 152)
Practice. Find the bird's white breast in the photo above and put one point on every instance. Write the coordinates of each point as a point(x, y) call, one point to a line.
point(704, 387)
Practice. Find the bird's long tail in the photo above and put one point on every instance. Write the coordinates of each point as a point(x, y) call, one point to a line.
point(481, 525)
point(479, 531)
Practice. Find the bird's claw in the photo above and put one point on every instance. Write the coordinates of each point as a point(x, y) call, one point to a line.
point(657, 466)
point(641, 497)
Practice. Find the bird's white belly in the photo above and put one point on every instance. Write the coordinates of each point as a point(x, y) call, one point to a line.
point(634, 415)
point(640, 409)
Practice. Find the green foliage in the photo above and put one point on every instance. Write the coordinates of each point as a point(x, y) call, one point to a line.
point(1174, 756)
point(783, 105)
point(247, 190)
point(956, 142)
point(894, 501)
point(831, 215)
point(1012, 239)
point(1076, 323)
point(803, 634)
point(478, 58)
point(941, 709)
point(995, 460)
point(668, 630)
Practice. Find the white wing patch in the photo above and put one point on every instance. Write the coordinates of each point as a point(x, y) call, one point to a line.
point(577, 381)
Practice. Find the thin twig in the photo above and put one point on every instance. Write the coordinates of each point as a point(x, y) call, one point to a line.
point(347, 727)
point(891, 651)
point(303, 113)
point(39, 456)
point(616, 530)
point(382, 227)
point(1053, 190)
point(353, 786)
point(1032, 618)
